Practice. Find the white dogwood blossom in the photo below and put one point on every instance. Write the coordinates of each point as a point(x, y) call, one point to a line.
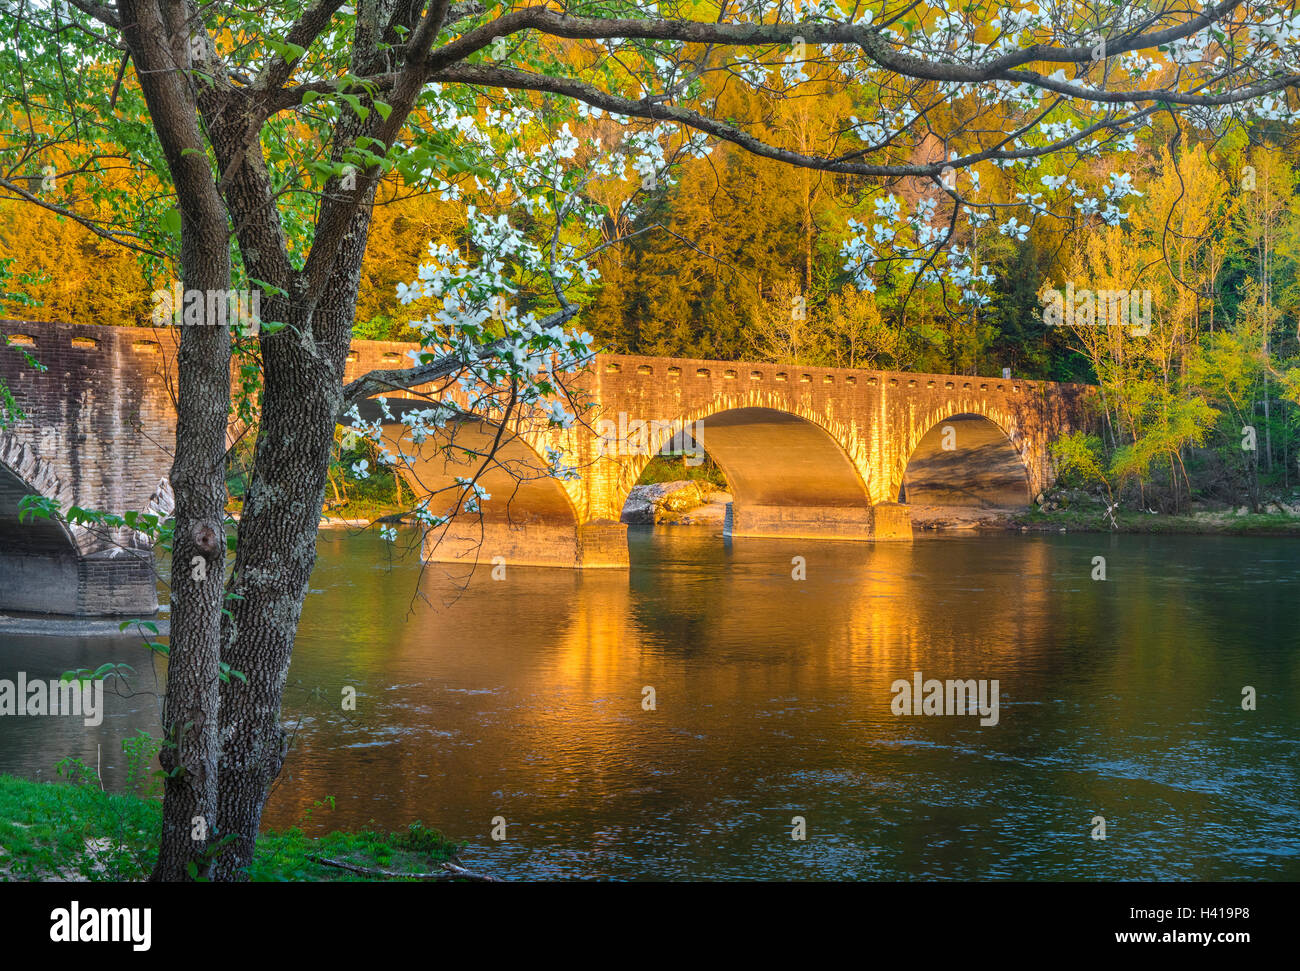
point(497, 306)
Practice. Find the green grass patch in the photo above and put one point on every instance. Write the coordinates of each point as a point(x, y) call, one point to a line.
point(74, 831)
point(368, 505)
point(663, 468)
point(1094, 519)
point(70, 830)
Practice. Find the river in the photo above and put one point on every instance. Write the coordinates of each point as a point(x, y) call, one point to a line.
point(523, 699)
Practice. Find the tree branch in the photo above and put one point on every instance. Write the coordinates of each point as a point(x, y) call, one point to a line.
point(402, 379)
point(449, 871)
point(98, 230)
point(105, 15)
point(869, 38)
point(486, 76)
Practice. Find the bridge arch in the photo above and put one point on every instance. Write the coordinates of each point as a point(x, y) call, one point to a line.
point(811, 452)
point(519, 490)
point(45, 567)
point(22, 475)
point(964, 458)
point(770, 455)
point(529, 517)
point(793, 470)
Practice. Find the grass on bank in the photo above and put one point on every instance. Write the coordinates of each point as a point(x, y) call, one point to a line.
point(75, 831)
point(1094, 519)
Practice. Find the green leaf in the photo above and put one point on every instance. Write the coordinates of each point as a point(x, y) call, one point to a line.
point(362, 112)
point(270, 288)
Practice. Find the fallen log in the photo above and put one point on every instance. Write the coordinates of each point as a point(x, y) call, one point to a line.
point(449, 871)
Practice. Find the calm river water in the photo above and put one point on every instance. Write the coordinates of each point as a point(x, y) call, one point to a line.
point(522, 698)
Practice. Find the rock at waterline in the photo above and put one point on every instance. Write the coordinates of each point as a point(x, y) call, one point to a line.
point(681, 502)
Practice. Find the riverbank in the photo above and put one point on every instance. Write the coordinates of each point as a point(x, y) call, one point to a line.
point(1137, 521)
point(695, 503)
point(393, 517)
point(1094, 520)
point(52, 831)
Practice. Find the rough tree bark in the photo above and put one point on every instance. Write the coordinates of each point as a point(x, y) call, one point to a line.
point(157, 42)
point(231, 732)
point(303, 366)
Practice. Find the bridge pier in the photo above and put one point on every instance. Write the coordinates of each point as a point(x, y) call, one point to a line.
point(96, 585)
point(593, 545)
point(882, 521)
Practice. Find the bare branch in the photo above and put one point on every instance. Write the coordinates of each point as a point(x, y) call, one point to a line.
point(115, 236)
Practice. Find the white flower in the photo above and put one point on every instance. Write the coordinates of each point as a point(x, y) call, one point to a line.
point(1013, 229)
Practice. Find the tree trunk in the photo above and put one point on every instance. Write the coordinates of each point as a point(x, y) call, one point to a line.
point(191, 745)
point(159, 44)
point(276, 551)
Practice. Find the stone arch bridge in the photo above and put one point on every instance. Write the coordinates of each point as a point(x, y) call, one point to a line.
point(808, 451)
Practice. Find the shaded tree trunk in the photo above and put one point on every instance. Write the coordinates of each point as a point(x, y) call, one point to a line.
point(158, 41)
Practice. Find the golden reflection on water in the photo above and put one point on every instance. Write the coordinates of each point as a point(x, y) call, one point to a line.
point(523, 698)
